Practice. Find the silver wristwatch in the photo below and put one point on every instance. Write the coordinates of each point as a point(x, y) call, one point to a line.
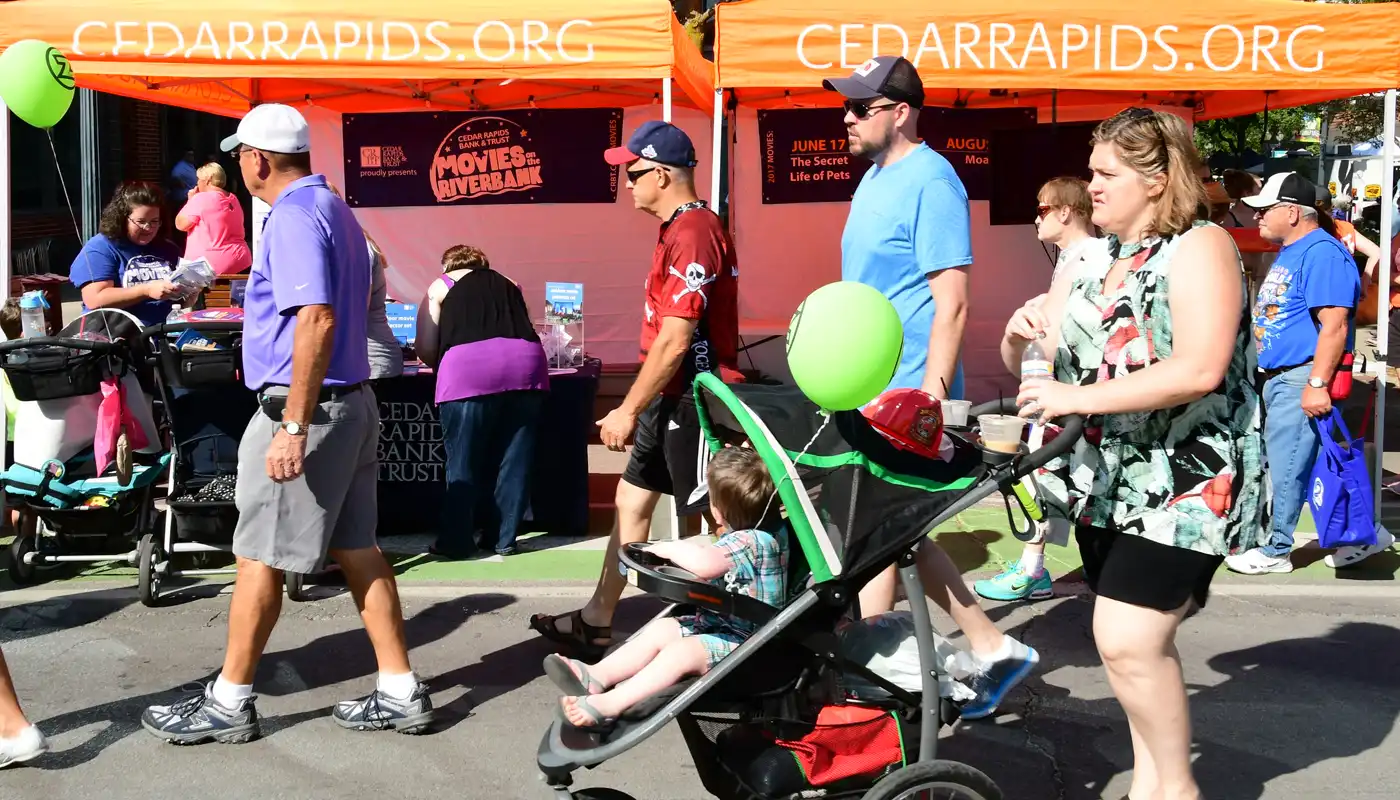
point(294, 428)
point(1317, 383)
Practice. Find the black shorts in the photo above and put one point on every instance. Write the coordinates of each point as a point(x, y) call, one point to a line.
point(1138, 571)
point(668, 455)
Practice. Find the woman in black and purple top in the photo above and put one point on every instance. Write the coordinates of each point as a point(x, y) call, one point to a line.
point(474, 329)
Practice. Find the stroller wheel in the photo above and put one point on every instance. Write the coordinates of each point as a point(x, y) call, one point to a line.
point(294, 582)
point(935, 780)
point(20, 572)
point(148, 579)
point(600, 794)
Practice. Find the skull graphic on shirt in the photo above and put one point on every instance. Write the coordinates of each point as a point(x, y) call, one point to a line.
point(695, 282)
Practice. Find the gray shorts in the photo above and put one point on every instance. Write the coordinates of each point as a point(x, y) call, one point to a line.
point(332, 506)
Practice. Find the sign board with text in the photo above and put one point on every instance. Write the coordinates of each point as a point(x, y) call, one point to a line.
point(440, 158)
point(806, 157)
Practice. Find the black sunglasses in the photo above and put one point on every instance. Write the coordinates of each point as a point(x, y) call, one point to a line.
point(634, 175)
point(1138, 113)
point(863, 110)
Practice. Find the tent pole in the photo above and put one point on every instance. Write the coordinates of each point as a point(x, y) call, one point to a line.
point(91, 162)
point(5, 245)
point(1383, 279)
point(4, 230)
point(666, 99)
point(717, 150)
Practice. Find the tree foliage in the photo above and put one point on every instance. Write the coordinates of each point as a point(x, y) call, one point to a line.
point(1353, 119)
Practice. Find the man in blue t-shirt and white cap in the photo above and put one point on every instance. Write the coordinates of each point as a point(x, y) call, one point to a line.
point(1303, 323)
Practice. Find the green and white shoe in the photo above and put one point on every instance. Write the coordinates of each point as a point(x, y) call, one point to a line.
point(1013, 584)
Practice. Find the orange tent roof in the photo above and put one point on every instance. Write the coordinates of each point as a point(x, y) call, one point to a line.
point(1219, 59)
point(224, 57)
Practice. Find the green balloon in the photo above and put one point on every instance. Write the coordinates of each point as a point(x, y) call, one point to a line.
point(843, 345)
point(36, 82)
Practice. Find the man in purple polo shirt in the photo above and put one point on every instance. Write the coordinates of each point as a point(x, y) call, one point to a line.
point(308, 460)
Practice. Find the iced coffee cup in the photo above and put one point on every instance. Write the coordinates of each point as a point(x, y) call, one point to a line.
point(1001, 433)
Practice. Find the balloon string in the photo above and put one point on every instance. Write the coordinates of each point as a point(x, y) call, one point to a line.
point(61, 182)
point(826, 418)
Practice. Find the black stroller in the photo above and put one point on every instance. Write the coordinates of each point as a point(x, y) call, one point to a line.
point(853, 505)
point(79, 515)
point(199, 372)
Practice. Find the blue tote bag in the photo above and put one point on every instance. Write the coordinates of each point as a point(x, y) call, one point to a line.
point(1341, 500)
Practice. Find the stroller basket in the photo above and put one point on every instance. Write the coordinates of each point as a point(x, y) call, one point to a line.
point(772, 757)
point(99, 506)
point(194, 368)
point(52, 368)
point(205, 521)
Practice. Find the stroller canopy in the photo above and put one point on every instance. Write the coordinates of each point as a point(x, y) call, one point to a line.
point(852, 500)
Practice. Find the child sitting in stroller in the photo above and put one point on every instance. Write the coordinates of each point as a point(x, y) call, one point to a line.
point(745, 559)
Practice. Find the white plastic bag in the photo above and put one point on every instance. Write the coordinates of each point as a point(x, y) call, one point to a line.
point(885, 645)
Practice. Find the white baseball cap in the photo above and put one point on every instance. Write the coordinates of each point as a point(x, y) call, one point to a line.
point(272, 127)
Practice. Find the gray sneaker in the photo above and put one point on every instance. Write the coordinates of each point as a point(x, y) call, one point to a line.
point(380, 712)
point(198, 718)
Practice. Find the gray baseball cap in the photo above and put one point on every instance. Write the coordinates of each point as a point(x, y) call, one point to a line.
point(891, 77)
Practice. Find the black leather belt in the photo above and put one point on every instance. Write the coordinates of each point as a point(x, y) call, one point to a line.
point(327, 394)
point(1270, 374)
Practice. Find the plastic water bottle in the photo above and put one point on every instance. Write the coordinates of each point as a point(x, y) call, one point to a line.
point(175, 311)
point(1036, 365)
point(31, 314)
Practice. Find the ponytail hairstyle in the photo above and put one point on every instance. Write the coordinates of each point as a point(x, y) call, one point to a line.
point(1158, 147)
point(1325, 220)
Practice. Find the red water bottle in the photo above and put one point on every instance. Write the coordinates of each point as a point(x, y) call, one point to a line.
point(1340, 387)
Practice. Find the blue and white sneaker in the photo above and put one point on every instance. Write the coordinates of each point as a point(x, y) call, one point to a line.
point(996, 679)
point(198, 718)
point(1013, 584)
point(379, 712)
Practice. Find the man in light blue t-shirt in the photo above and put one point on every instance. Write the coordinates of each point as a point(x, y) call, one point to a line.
point(908, 233)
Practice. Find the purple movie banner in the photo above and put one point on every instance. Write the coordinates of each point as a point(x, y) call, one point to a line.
point(806, 160)
point(436, 158)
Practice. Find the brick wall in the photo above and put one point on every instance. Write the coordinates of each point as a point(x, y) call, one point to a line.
point(141, 140)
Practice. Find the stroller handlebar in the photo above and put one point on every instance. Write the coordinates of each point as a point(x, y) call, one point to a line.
point(63, 341)
point(1071, 429)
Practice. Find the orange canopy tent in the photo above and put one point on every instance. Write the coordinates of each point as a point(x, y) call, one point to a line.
point(1218, 60)
point(347, 56)
point(354, 56)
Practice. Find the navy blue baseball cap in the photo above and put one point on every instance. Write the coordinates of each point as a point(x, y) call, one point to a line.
point(892, 77)
point(656, 141)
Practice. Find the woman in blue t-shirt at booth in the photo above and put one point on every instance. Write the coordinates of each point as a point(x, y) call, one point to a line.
point(128, 264)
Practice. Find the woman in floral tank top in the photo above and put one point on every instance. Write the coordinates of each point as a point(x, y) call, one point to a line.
point(1153, 348)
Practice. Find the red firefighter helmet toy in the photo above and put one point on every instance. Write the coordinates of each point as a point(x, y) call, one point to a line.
point(911, 419)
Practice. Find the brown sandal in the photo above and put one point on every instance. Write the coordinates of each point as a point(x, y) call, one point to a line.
point(580, 639)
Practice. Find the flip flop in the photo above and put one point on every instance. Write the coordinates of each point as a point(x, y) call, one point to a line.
point(560, 670)
point(580, 637)
point(599, 721)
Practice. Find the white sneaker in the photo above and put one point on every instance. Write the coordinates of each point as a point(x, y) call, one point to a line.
point(1347, 556)
point(1256, 562)
point(27, 745)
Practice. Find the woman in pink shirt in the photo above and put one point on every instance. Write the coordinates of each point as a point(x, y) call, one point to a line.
point(213, 218)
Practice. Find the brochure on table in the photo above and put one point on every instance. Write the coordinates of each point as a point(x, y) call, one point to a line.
point(403, 321)
point(561, 332)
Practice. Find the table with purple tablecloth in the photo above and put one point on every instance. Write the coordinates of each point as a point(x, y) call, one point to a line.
point(411, 458)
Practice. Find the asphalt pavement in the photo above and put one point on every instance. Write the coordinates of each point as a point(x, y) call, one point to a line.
point(1293, 695)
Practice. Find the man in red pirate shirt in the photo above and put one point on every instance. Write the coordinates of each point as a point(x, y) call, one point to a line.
point(691, 326)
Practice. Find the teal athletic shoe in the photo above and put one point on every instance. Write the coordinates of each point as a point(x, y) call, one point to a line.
point(1013, 584)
